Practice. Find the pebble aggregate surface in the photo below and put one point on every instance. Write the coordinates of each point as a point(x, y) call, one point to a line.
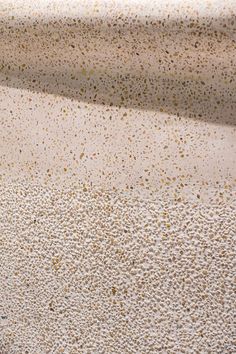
point(117, 176)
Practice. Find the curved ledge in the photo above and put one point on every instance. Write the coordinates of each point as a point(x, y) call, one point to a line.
point(141, 55)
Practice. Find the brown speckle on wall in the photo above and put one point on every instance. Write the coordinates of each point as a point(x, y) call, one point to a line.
point(117, 176)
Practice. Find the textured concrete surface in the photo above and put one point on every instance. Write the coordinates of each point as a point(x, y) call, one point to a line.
point(118, 176)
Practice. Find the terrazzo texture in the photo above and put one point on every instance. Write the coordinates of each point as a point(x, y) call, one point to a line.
point(171, 56)
point(118, 176)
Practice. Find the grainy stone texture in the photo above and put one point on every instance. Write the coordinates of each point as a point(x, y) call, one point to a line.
point(118, 175)
point(95, 272)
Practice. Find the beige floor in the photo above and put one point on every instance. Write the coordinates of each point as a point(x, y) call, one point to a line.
point(118, 175)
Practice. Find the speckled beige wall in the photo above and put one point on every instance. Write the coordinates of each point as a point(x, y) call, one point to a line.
point(118, 176)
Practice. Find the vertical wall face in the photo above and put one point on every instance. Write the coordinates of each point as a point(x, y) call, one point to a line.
point(118, 161)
